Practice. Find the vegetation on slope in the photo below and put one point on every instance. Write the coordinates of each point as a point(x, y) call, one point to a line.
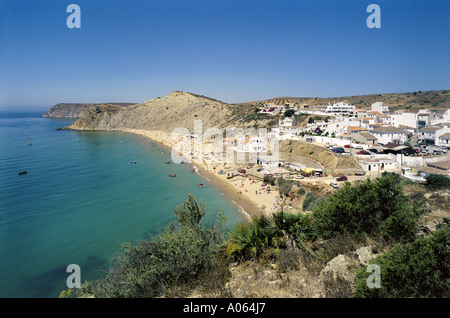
point(189, 258)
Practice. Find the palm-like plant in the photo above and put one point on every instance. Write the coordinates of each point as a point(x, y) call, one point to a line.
point(250, 239)
point(295, 226)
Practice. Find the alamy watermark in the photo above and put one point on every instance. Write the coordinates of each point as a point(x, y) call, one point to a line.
point(74, 279)
point(374, 19)
point(74, 19)
point(374, 279)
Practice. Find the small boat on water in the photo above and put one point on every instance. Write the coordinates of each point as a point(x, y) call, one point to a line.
point(22, 172)
point(133, 161)
point(172, 175)
point(168, 162)
point(201, 185)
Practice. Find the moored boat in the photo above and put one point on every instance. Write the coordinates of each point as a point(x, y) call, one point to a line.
point(201, 185)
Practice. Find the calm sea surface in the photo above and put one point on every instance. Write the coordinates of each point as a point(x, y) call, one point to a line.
point(81, 199)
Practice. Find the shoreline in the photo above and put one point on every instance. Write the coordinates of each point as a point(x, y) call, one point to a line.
point(248, 203)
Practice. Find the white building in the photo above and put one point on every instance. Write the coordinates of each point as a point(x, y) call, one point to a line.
point(379, 107)
point(251, 144)
point(424, 118)
point(429, 135)
point(340, 108)
point(387, 135)
point(271, 109)
point(284, 132)
point(377, 166)
point(403, 119)
point(287, 122)
point(444, 140)
point(270, 163)
point(442, 119)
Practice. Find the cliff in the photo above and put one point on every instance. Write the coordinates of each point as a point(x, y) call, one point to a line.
point(67, 110)
point(176, 110)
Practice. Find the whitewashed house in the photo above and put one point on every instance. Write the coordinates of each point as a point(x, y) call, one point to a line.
point(358, 113)
point(284, 132)
point(377, 166)
point(340, 108)
point(270, 163)
point(403, 119)
point(428, 135)
point(444, 140)
point(441, 119)
point(287, 122)
point(423, 117)
point(380, 107)
point(251, 144)
point(271, 109)
point(389, 134)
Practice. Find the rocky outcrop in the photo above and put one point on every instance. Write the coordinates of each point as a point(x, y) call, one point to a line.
point(65, 110)
point(338, 276)
point(176, 110)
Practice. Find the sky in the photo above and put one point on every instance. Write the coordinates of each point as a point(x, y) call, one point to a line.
point(231, 50)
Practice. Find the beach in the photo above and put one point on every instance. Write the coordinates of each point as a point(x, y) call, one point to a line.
point(247, 192)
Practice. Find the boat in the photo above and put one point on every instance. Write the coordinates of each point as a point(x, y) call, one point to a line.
point(201, 185)
point(132, 161)
point(167, 162)
point(172, 175)
point(22, 172)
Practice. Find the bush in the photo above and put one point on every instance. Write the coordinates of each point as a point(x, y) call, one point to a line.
point(166, 265)
point(417, 269)
point(308, 201)
point(269, 179)
point(373, 208)
point(436, 182)
point(285, 186)
point(269, 236)
point(250, 239)
point(289, 113)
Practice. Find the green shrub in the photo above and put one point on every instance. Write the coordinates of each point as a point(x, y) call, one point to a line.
point(249, 239)
point(372, 208)
point(289, 113)
point(417, 269)
point(269, 179)
point(285, 186)
point(436, 182)
point(165, 264)
point(308, 200)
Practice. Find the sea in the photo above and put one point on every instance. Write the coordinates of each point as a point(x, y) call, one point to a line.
point(81, 199)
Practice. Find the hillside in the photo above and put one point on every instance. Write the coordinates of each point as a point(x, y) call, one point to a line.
point(438, 100)
point(176, 110)
point(181, 109)
point(75, 110)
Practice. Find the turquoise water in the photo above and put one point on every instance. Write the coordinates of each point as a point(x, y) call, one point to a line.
point(81, 199)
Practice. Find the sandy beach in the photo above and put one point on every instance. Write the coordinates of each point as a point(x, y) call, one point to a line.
point(248, 193)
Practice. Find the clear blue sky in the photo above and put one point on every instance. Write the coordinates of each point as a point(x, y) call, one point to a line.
point(232, 50)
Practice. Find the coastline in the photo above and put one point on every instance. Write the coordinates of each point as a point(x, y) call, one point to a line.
point(246, 196)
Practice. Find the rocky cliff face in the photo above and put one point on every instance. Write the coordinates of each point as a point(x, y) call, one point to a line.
point(176, 110)
point(65, 110)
